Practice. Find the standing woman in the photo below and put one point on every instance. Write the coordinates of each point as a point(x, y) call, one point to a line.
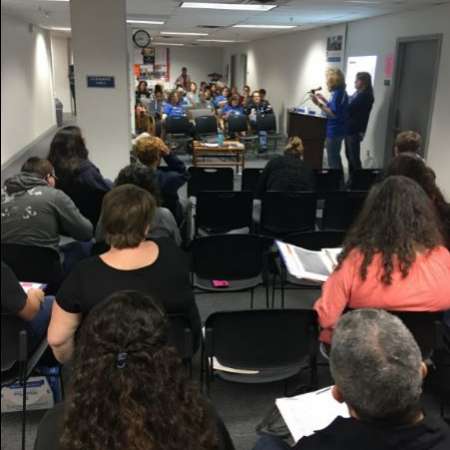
point(336, 110)
point(359, 107)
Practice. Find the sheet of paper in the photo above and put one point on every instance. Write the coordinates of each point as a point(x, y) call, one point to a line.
point(332, 255)
point(218, 366)
point(27, 285)
point(307, 413)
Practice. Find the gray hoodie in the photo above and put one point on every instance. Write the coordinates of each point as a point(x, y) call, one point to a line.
point(34, 213)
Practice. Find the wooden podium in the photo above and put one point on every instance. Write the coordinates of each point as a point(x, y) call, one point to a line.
point(312, 130)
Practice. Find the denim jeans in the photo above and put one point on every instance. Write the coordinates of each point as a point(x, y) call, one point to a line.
point(37, 328)
point(353, 151)
point(267, 442)
point(333, 146)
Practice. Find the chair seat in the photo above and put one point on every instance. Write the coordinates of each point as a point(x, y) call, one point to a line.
point(235, 285)
point(266, 375)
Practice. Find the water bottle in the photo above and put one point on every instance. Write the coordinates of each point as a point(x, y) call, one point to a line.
point(369, 162)
point(220, 137)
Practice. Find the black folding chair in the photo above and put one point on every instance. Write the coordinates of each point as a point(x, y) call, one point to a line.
point(284, 213)
point(16, 364)
point(441, 374)
point(181, 338)
point(205, 126)
point(209, 179)
point(268, 345)
point(223, 211)
point(364, 179)
point(240, 260)
point(341, 209)
point(329, 179)
point(237, 123)
point(312, 240)
point(178, 131)
point(32, 263)
point(267, 123)
point(250, 178)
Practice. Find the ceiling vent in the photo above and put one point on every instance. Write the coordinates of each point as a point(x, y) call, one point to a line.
point(210, 27)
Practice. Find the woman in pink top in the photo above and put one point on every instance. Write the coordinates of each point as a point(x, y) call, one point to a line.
point(393, 257)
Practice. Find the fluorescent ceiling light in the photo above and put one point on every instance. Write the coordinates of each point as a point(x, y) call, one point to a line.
point(147, 22)
point(182, 33)
point(363, 2)
point(214, 40)
point(60, 29)
point(272, 27)
point(173, 44)
point(227, 6)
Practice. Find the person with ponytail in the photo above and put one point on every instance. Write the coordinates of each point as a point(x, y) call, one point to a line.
point(129, 389)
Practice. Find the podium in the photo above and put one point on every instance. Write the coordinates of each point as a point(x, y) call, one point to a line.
point(312, 130)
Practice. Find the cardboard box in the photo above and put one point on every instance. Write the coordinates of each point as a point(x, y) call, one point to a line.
point(39, 395)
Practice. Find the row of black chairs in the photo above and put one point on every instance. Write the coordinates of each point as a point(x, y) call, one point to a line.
point(222, 179)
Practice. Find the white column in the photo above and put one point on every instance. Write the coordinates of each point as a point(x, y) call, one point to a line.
point(99, 43)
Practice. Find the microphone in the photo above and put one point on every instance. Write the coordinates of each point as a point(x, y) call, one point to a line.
point(313, 91)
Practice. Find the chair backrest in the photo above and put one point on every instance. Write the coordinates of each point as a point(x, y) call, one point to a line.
point(266, 122)
point(341, 209)
point(363, 179)
point(317, 240)
point(209, 179)
point(11, 328)
point(250, 178)
point(180, 335)
point(177, 125)
point(222, 211)
point(328, 179)
point(200, 112)
point(284, 213)
point(272, 338)
point(32, 263)
point(423, 326)
point(206, 125)
point(237, 123)
point(229, 256)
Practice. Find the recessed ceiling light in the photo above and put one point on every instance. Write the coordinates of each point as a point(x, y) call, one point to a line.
point(227, 6)
point(215, 40)
point(182, 33)
point(173, 44)
point(272, 27)
point(147, 22)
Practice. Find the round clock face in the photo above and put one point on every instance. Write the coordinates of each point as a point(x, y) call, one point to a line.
point(141, 38)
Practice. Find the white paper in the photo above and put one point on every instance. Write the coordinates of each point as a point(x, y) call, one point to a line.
point(218, 366)
point(307, 413)
point(26, 286)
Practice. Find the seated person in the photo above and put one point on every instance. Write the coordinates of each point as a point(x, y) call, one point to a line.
point(163, 223)
point(183, 98)
point(219, 100)
point(193, 95)
point(130, 390)
point(408, 142)
point(254, 107)
point(35, 213)
point(174, 106)
point(33, 307)
point(393, 257)
point(233, 107)
point(142, 94)
point(378, 372)
point(157, 268)
point(287, 173)
point(413, 166)
point(206, 100)
point(149, 151)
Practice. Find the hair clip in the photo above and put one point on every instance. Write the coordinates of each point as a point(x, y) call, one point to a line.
point(121, 360)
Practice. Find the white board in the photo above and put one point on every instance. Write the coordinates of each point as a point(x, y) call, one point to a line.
point(357, 64)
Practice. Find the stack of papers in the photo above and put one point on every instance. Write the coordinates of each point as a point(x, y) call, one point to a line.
point(307, 413)
point(27, 285)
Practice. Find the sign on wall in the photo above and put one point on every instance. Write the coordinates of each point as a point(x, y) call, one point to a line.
point(100, 81)
point(335, 50)
point(152, 64)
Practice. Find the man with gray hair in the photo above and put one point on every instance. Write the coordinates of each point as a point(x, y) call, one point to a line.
point(378, 372)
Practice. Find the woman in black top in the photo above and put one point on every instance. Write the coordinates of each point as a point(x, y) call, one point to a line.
point(158, 268)
point(287, 173)
point(130, 390)
point(359, 107)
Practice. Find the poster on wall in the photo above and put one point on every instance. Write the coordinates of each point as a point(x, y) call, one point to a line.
point(335, 49)
point(152, 64)
point(357, 64)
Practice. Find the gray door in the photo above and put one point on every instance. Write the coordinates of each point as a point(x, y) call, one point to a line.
point(233, 71)
point(414, 87)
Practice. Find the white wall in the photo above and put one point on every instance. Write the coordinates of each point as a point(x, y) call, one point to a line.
point(27, 105)
point(60, 60)
point(200, 61)
point(293, 63)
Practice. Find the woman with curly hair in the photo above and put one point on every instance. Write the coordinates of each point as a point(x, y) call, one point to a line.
point(411, 165)
point(393, 257)
point(129, 389)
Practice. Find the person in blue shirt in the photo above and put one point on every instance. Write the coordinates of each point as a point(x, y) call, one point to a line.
point(360, 105)
point(173, 108)
point(233, 107)
point(336, 110)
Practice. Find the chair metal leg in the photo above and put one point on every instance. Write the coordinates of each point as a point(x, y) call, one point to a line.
point(24, 404)
point(252, 298)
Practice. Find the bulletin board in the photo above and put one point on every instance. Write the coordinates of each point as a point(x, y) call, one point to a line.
point(152, 64)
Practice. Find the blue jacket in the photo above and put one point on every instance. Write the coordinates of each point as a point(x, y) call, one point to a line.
point(359, 108)
point(336, 126)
